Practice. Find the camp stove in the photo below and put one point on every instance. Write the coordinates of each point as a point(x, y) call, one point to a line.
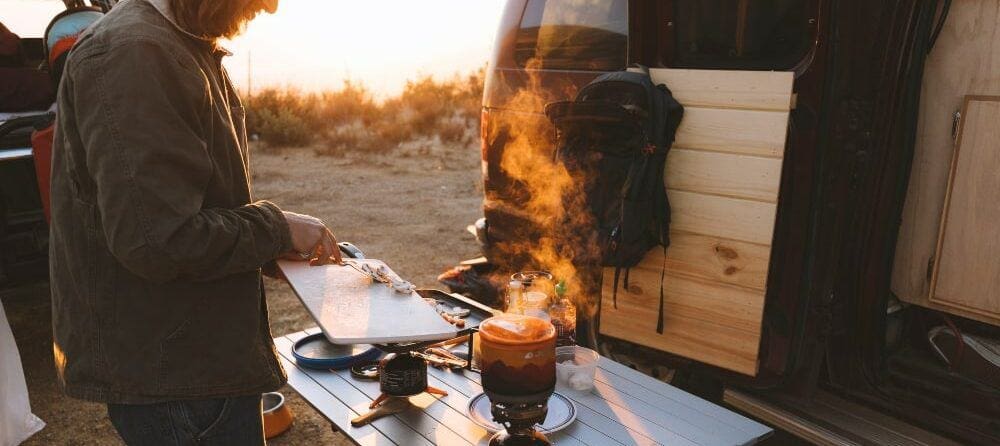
point(403, 375)
point(519, 415)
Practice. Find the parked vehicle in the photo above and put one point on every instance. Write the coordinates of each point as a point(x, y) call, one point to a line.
point(844, 355)
point(26, 133)
point(23, 229)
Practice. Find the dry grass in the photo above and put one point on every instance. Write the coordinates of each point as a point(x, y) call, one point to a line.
point(350, 119)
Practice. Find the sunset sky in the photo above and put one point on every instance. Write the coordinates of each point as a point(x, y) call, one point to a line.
point(316, 44)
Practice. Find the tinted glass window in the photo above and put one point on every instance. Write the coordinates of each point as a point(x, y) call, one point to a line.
point(573, 34)
point(748, 34)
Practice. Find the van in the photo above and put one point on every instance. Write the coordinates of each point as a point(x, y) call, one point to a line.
point(878, 318)
point(24, 232)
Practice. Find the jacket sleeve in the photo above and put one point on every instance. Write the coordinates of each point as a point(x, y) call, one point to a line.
point(138, 111)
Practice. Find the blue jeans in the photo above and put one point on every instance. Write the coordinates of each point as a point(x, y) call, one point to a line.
point(224, 421)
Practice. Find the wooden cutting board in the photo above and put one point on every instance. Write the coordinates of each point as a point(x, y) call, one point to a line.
point(351, 308)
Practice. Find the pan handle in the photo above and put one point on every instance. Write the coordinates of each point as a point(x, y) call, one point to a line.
point(350, 250)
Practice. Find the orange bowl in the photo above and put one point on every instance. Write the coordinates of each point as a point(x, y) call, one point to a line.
point(277, 416)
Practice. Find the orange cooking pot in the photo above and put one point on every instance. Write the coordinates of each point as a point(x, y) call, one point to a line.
point(516, 355)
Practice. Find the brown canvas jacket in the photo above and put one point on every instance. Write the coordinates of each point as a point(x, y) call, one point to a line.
point(156, 243)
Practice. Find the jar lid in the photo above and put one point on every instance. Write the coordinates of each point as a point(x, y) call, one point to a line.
point(516, 329)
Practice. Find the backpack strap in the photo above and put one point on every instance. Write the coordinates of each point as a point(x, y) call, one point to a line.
point(614, 290)
point(663, 276)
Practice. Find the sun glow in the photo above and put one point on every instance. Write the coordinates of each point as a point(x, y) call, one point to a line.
point(316, 44)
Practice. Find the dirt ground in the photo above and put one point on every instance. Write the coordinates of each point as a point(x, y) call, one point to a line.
point(409, 207)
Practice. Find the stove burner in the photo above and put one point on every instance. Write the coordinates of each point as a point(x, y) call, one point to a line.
point(403, 375)
point(519, 414)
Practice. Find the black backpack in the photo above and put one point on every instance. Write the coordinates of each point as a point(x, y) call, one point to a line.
point(616, 134)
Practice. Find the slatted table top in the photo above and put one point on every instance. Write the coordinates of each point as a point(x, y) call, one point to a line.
point(625, 408)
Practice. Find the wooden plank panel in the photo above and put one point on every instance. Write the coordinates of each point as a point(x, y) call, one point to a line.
point(722, 177)
point(967, 271)
point(689, 299)
point(713, 259)
point(748, 132)
point(731, 175)
point(706, 322)
point(732, 218)
point(759, 90)
point(965, 61)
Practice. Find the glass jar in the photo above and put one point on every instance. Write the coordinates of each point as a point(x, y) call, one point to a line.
point(563, 317)
point(514, 302)
point(539, 281)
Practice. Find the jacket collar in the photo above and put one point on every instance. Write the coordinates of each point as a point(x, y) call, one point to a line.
point(163, 7)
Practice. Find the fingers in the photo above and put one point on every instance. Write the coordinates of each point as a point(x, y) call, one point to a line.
point(326, 249)
point(317, 255)
point(337, 257)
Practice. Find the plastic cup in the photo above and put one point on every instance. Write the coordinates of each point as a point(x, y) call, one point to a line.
point(575, 366)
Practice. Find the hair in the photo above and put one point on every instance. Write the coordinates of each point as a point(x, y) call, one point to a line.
point(215, 18)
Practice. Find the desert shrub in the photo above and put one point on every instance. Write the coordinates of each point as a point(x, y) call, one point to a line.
point(453, 131)
point(350, 118)
point(469, 98)
point(428, 101)
point(345, 138)
point(282, 126)
point(352, 102)
point(281, 116)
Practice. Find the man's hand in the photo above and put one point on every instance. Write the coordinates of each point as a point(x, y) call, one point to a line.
point(312, 240)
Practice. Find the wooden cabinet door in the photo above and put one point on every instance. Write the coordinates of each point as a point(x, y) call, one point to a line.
point(967, 264)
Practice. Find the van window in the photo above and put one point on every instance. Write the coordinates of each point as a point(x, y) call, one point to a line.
point(573, 35)
point(744, 34)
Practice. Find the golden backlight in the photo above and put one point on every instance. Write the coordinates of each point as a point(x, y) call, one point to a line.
point(316, 44)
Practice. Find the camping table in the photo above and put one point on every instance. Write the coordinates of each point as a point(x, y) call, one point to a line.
point(625, 408)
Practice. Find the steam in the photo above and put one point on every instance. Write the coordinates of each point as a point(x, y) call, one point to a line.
point(555, 199)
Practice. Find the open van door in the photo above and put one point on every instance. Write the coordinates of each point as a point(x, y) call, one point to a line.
point(796, 112)
point(750, 76)
point(820, 227)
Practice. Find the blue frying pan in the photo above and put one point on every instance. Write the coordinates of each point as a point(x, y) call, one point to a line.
point(315, 352)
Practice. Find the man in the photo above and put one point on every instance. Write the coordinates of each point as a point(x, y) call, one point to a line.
point(156, 244)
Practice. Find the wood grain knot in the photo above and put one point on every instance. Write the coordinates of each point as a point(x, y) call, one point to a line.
point(731, 270)
point(726, 253)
